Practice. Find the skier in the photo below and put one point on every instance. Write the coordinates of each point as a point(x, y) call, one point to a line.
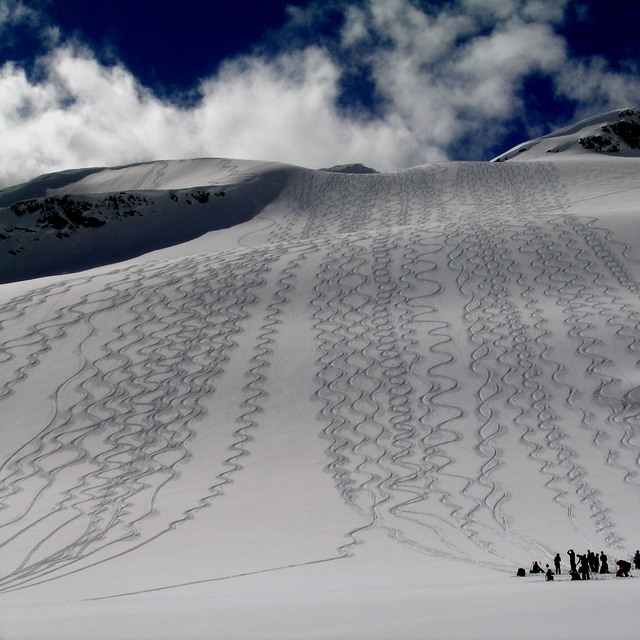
point(584, 567)
point(604, 563)
point(548, 575)
point(636, 560)
point(556, 561)
point(572, 559)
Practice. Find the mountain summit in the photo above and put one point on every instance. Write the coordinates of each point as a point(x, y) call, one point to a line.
point(615, 133)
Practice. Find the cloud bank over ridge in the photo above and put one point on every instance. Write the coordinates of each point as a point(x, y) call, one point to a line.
point(441, 81)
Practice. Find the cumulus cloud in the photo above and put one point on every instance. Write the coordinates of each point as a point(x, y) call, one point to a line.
point(85, 114)
point(596, 87)
point(458, 71)
point(442, 76)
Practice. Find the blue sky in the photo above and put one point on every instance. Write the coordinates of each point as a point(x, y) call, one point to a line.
point(390, 83)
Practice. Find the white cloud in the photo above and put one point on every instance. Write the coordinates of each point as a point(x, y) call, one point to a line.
point(354, 30)
point(86, 114)
point(536, 10)
point(285, 108)
point(596, 87)
point(445, 75)
point(13, 12)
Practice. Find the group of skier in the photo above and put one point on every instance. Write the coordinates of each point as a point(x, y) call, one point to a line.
point(582, 566)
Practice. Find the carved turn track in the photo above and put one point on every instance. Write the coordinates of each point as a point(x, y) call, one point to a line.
point(466, 334)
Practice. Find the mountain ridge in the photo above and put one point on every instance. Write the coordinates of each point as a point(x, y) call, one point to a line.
point(611, 133)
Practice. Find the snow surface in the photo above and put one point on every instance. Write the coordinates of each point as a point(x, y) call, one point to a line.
point(612, 133)
point(92, 217)
point(353, 415)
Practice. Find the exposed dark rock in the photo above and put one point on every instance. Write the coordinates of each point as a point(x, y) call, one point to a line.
point(625, 131)
point(201, 196)
point(626, 113)
point(600, 144)
point(628, 131)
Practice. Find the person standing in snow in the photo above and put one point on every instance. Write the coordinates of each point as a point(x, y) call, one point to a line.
point(584, 567)
point(556, 561)
point(604, 563)
point(572, 559)
point(636, 560)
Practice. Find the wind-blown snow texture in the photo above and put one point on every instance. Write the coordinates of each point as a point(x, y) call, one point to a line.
point(447, 355)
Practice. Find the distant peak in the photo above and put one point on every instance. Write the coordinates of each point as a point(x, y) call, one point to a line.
point(614, 133)
point(350, 168)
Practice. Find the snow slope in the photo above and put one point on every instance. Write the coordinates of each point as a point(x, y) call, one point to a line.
point(352, 415)
point(86, 218)
point(615, 133)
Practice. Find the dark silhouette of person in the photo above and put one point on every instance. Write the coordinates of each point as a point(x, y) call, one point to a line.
point(536, 568)
point(548, 574)
point(623, 569)
point(636, 560)
point(572, 559)
point(556, 561)
point(604, 563)
point(594, 562)
point(584, 567)
point(574, 574)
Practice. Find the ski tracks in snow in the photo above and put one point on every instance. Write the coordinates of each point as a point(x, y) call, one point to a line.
point(516, 260)
point(466, 331)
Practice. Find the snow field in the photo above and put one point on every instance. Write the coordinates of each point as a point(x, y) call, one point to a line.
point(390, 392)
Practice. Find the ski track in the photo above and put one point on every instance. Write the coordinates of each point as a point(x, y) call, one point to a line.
point(422, 278)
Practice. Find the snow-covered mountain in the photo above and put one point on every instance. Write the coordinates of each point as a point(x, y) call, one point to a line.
point(298, 403)
point(91, 217)
point(615, 133)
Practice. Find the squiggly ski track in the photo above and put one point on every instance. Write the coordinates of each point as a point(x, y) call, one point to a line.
point(461, 335)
